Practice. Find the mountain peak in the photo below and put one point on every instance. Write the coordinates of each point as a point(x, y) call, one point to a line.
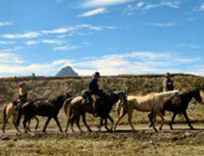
point(66, 71)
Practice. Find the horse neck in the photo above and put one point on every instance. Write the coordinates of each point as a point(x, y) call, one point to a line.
point(59, 102)
point(114, 99)
point(188, 96)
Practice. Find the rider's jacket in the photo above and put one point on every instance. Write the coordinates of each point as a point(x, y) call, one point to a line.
point(168, 84)
point(94, 86)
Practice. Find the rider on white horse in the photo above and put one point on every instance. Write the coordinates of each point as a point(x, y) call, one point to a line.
point(94, 91)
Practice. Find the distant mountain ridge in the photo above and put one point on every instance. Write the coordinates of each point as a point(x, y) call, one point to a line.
point(67, 71)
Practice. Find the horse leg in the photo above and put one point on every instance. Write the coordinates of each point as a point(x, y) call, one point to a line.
point(130, 112)
point(16, 120)
point(162, 121)
point(28, 126)
point(106, 125)
point(85, 123)
point(112, 122)
point(119, 119)
point(5, 120)
point(72, 119)
point(46, 124)
point(67, 126)
point(37, 123)
point(25, 121)
point(78, 123)
point(58, 123)
point(188, 120)
point(172, 121)
point(150, 116)
point(100, 124)
point(153, 121)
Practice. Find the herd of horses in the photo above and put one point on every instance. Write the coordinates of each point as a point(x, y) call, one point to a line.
point(75, 108)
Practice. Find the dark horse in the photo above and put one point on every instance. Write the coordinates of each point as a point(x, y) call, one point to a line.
point(77, 107)
point(44, 108)
point(179, 105)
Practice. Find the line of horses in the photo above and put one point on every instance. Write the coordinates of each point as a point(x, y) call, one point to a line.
point(75, 108)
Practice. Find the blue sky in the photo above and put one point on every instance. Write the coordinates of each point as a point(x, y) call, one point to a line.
point(110, 36)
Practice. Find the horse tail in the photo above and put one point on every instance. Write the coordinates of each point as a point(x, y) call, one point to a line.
point(66, 106)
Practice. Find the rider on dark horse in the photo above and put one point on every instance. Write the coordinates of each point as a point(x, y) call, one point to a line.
point(94, 92)
point(168, 83)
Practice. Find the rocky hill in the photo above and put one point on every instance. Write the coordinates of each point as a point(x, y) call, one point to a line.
point(66, 71)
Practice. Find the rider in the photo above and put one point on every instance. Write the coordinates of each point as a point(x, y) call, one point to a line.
point(22, 94)
point(94, 91)
point(168, 83)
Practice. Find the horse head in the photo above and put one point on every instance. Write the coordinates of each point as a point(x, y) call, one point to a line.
point(198, 95)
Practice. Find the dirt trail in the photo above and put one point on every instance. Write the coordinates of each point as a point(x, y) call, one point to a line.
point(142, 129)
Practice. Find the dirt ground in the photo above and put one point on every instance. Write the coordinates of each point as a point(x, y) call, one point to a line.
point(143, 142)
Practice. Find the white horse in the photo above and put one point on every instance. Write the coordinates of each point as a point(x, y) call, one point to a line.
point(147, 103)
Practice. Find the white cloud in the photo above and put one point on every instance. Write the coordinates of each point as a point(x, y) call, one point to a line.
point(169, 4)
point(9, 58)
point(31, 42)
point(66, 47)
point(47, 69)
point(189, 45)
point(60, 30)
point(6, 42)
point(147, 5)
point(201, 8)
point(28, 35)
point(163, 25)
point(52, 41)
point(6, 23)
point(100, 3)
point(135, 62)
point(94, 12)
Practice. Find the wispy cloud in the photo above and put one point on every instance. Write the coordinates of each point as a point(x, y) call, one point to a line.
point(66, 47)
point(189, 45)
point(53, 41)
point(35, 37)
point(101, 3)
point(9, 58)
point(2, 42)
point(147, 5)
point(60, 30)
point(27, 35)
point(163, 24)
point(5, 23)
point(201, 7)
point(168, 4)
point(31, 42)
point(94, 12)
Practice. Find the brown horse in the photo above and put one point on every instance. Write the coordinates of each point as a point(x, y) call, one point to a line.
point(76, 107)
point(9, 111)
point(153, 101)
